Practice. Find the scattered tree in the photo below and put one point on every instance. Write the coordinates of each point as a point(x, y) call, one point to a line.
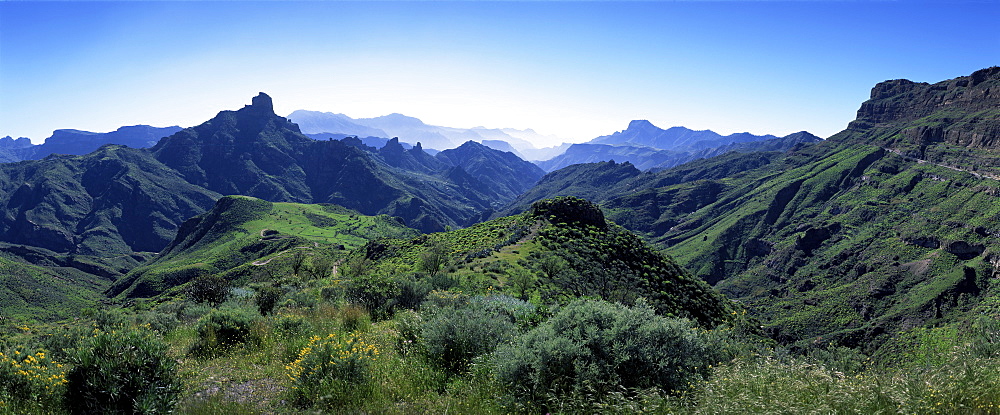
point(209, 288)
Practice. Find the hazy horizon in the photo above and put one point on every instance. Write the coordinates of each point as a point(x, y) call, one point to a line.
point(576, 70)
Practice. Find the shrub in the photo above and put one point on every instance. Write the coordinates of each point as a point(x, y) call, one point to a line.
point(209, 288)
point(372, 292)
point(223, 329)
point(452, 337)
point(593, 347)
point(267, 298)
point(331, 371)
point(160, 322)
point(30, 381)
point(412, 292)
point(292, 325)
point(123, 372)
point(408, 324)
point(108, 319)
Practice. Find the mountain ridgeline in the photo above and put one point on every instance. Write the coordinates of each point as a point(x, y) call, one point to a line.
point(267, 157)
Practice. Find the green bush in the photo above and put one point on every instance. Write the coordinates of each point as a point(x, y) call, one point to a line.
point(107, 319)
point(123, 372)
point(452, 337)
point(221, 330)
point(332, 371)
point(354, 318)
point(593, 347)
point(408, 324)
point(159, 321)
point(412, 292)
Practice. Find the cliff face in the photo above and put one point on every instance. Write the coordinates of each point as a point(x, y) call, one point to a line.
point(935, 121)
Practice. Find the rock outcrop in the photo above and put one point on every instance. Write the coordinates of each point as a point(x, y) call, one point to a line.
point(919, 118)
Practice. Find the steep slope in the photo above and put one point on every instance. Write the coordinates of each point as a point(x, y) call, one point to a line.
point(241, 236)
point(112, 202)
point(591, 181)
point(954, 122)
point(250, 152)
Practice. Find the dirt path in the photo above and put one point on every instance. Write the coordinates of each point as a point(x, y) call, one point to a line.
point(261, 262)
point(921, 161)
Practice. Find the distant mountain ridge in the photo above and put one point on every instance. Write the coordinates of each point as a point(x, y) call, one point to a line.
point(76, 142)
point(94, 217)
point(644, 133)
point(645, 157)
point(412, 130)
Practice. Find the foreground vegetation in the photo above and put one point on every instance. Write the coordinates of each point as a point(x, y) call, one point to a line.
point(474, 354)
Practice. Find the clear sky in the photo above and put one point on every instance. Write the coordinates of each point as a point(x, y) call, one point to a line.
point(574, 69)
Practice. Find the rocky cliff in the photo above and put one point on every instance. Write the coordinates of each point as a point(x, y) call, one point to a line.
point(935, 122)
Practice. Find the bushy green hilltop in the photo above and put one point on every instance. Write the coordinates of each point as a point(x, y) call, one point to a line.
point(560, 250)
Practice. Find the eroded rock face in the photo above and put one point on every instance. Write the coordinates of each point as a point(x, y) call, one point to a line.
point(961, 111)
point(964, 250)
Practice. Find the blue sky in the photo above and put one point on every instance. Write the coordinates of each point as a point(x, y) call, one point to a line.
point(574, 69)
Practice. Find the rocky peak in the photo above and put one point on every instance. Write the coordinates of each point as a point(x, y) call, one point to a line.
point(901, 100)
point(641, 125)
point(262, 103)
point(983, 75)
point(9, 142)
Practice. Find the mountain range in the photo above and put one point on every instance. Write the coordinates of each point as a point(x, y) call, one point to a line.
point(887, 225)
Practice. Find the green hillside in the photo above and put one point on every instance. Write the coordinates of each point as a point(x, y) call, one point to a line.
point(243, 236)
point(31, 293)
